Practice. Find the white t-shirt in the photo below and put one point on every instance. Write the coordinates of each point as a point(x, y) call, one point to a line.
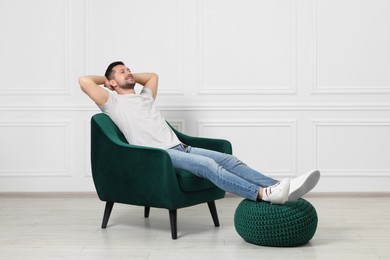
point(137, 116)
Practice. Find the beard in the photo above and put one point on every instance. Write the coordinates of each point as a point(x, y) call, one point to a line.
point(127, 86)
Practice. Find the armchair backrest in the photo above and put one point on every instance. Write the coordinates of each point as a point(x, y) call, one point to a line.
point(110, 128)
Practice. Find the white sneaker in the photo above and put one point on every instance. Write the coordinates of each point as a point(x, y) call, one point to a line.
point(278, 194)
point(303, 184)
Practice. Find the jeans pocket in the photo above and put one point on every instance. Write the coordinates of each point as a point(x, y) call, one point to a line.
point(185, 148)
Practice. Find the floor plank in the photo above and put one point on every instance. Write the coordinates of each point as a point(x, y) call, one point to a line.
point(68, 227)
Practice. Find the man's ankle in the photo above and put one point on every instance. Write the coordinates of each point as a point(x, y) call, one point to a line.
point(260, 194)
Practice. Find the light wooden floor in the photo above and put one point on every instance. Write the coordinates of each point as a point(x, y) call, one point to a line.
point(68, 227)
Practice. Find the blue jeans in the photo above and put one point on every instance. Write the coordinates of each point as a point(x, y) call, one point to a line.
point(224, 170)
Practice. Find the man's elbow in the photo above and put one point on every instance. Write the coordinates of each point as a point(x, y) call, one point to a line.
point(83, 83)
point(154, 76)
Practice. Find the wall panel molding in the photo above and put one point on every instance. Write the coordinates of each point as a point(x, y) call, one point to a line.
point(276, 107)
point(347, 128)
point(38, 87)
point(211, 107)
point(339, 88)
point(178, 124)
point(42, 130)
point(87, 148)
point(288, 124)
point(206, 88)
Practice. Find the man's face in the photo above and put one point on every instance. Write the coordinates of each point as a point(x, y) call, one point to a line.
point(123, 77)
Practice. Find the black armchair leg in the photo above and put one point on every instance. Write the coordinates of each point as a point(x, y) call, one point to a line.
point(173, 219)
point(213, 211)
point(107, 213)
point(146, 212)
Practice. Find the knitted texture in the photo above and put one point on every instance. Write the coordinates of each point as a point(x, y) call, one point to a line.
point(261, 223)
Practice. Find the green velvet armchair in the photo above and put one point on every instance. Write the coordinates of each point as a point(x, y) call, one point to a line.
point(144, 176)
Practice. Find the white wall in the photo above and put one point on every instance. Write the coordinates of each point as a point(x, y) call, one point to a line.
point(293, 84)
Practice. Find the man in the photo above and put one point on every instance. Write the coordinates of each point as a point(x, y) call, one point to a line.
point(142, 124)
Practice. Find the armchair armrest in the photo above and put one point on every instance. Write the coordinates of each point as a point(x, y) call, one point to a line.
point(219, 145)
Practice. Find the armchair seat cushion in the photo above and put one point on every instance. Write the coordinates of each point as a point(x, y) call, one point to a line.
point(189, 182)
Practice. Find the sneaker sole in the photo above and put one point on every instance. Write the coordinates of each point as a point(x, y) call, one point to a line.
point(310, 182)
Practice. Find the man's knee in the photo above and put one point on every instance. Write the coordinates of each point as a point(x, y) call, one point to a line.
point(231, 161)
point(208, 166)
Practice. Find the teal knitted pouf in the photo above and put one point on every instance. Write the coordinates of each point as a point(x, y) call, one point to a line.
point(261, 223)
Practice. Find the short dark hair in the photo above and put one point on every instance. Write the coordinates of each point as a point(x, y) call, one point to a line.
point(109, 72)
